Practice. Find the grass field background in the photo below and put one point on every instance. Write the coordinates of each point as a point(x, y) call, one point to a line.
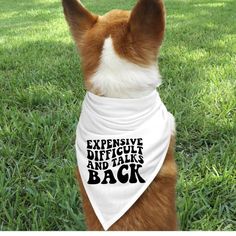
point(41, 91)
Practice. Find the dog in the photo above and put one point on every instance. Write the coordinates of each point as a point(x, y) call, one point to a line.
point(119, 52)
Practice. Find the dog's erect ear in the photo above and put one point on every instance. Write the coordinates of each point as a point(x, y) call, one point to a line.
point(79, 18)
point(147, 22)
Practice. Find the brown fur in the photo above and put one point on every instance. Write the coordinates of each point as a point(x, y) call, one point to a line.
point(136, 36)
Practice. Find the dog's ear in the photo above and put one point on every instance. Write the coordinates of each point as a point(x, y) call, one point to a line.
point(147, 22)
point(79, 18)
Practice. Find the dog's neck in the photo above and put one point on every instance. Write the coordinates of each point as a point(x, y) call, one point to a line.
point(119, 78)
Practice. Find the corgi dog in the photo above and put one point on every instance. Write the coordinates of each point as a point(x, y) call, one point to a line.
point(119, 52)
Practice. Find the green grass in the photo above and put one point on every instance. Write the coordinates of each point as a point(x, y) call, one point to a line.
point(41, 91)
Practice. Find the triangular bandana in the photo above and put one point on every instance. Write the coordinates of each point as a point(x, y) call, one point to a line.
point(121, 145)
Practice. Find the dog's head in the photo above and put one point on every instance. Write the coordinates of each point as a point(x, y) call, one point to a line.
point(116, 43)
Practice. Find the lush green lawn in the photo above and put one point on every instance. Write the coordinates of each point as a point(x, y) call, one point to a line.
point(41, 91)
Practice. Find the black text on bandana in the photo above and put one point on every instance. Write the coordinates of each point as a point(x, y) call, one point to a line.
point(124, 155)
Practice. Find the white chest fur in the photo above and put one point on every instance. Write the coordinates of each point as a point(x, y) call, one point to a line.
point(119, 78)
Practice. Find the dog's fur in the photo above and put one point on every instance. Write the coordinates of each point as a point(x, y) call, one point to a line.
point(119, 52)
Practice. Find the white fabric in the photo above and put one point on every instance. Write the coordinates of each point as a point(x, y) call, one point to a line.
point(129, 139)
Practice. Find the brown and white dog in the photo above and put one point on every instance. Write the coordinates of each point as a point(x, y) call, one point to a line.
point(119, 52)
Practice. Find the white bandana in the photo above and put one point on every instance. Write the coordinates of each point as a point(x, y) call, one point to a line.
point(121, 145)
